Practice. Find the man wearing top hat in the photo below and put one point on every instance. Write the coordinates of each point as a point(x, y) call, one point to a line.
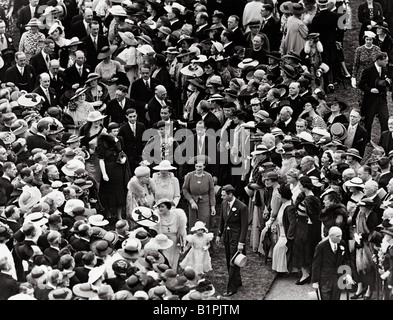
point(232, 232)
point(375, 84)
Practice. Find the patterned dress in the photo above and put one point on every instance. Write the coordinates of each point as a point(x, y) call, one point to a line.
point(364, 58)
point(31, 43)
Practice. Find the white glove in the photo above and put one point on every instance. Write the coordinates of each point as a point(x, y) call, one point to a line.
point(353, 82)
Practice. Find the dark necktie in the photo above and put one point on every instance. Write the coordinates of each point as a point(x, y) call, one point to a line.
point(95, 43)
point(228, 209)
point(147, 84)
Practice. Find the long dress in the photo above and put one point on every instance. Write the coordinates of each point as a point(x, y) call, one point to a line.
point(112, 193)
point(364, 58)
point(170, 189)
point(174, 227)
point(198, 258)
point(279, 259)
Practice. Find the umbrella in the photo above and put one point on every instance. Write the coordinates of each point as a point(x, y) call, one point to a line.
point(266, 242)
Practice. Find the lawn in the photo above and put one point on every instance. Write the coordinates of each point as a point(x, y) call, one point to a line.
point(256, 276)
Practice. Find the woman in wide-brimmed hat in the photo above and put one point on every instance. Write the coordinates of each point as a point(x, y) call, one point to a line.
point(336, 115)
point(170, 228)
point(32, 40)
point(97, 92)
point(90, 131)
point(108, 69)
point(67, 52)
point(297, 31)
point(56, 33)
point(129, 55)
point(117, 24)
point(78, 108)
point(384, 38)
point(167, 185)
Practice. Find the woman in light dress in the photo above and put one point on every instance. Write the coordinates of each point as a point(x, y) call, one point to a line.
point(167, 185)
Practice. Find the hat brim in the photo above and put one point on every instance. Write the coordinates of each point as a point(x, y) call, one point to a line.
point(164, 168)
point(354, 155)
point(145, 222)
point(163, 246)
point(233, 260)
point(103, 55)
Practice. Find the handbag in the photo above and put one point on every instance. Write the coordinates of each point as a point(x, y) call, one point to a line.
point(120, 157)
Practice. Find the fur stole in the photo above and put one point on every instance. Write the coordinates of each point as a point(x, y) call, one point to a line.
point(136, 188)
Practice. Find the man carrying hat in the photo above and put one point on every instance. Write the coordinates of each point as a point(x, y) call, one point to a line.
point(326, 23)
point(232, 232)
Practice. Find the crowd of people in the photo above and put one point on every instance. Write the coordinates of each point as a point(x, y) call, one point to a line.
point(136, 137)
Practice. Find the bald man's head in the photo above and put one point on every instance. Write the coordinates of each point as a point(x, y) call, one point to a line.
point(335, 234)
point(79, 57)
point(161, 92)
point(44, 80)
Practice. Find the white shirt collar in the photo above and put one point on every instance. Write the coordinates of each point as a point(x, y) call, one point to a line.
point(232, 202)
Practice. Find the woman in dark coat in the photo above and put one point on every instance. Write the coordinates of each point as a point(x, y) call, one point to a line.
point(334, 213)
point(307, 234)
point(115, 172)
point(366, 221)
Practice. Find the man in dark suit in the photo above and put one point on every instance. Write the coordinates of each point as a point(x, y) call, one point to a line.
point(175, 19)
point(226, 38)
point(286, 122)
point(271, 26)
point(132, 133)
point(6, 188)
point(47, 92)
point(142, 91)
point(202, 144)
point(386, 140)
point(201, 24)
point(374, 83)
point(238, 35)
point(32, 10)
point(329, 255)
point(294, 98)
point(76, 75)
point(308, 168)
point(89, 260)
point(81, 28)
point(325, 22)
point(233, 231)
point(41, 60)
point(116, 108)
point(21, 74)
point(156, 103)
point(209, 118)
point(9, 286)
point(223, 146)
point(93, 43)
point(356, 133)
point(386, 174)
point(38, 140)
point(57, 78)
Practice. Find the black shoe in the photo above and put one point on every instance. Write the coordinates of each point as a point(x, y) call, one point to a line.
point(304, 281)
point(229, 293)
